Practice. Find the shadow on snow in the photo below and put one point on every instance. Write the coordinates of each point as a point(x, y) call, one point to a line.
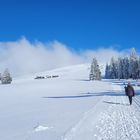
point(115, 103)
point(84, 95)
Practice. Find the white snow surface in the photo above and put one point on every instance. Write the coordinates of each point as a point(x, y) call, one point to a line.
point(69, 107)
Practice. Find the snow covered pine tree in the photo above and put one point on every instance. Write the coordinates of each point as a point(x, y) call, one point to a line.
point(6, 78)
point(95, 73)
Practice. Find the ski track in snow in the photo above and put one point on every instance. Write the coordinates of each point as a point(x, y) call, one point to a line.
point(119, 121)
point(71, 132)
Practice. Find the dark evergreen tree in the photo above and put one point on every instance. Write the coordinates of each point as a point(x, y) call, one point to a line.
point(133, 64)
point(138, 72)
point(125, 66)
point(113, 69)
point(107, 71)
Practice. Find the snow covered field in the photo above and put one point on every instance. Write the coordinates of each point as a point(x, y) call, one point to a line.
point(68, 107)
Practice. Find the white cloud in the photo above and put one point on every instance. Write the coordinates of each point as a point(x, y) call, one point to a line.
point(23, 57)
point(104, 55)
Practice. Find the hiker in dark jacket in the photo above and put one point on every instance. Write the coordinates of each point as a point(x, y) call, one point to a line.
point(129, 90)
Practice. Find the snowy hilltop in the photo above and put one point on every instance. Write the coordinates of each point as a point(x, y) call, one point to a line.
point(65, 105)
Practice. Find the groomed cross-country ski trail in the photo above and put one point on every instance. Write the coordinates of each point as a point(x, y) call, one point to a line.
point(111, 118)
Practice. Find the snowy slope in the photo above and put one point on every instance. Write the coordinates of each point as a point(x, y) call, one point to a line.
point(68, 107)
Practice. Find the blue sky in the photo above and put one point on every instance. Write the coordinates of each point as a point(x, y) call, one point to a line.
point(80, 24)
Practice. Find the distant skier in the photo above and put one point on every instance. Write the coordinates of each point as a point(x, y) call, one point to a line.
point(129, 90)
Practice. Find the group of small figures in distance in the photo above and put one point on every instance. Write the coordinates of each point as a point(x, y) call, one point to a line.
point(46, 77)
